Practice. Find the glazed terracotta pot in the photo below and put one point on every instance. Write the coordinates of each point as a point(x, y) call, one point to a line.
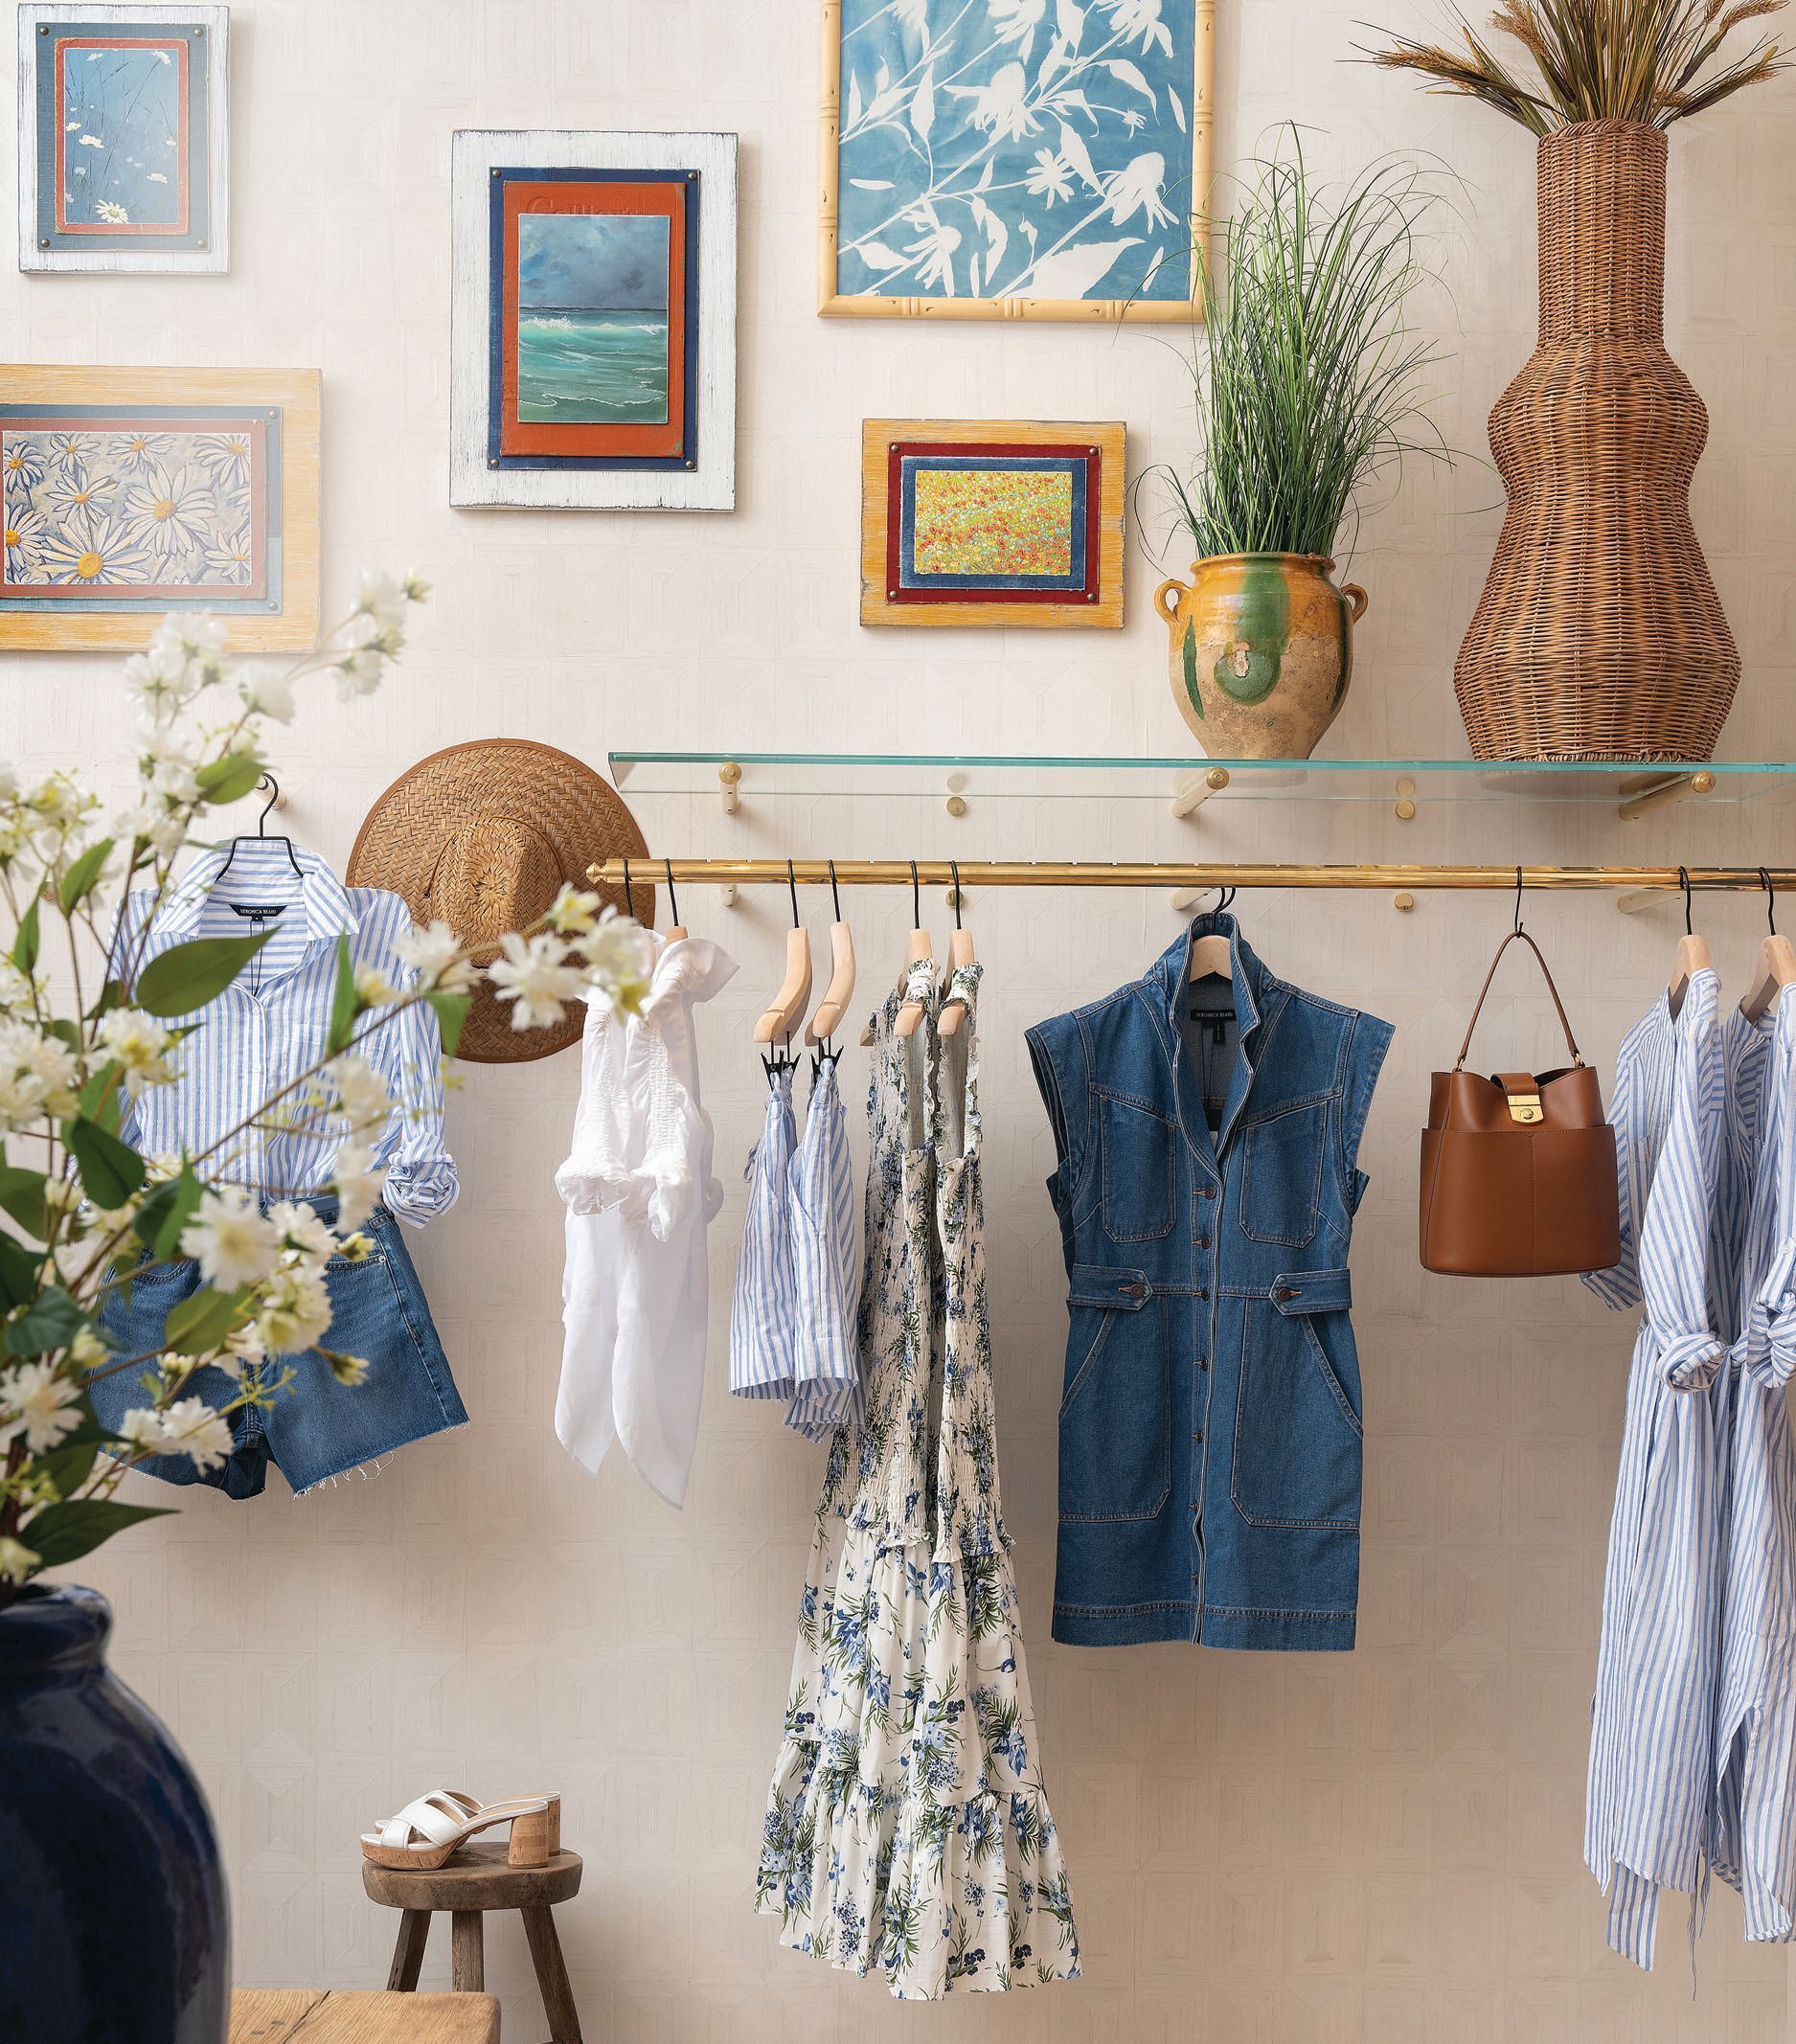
point(1262, 651)
point(113, 1926)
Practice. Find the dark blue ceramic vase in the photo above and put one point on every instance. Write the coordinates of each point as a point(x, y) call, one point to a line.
point(113, 1924)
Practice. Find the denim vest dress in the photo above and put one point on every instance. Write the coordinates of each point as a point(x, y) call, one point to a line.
point(1211, 1417)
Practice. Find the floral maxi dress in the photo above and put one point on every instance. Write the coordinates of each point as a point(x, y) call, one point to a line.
point(907, 1826)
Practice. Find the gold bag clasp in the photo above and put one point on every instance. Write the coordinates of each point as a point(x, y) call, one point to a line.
point(1525, 1107)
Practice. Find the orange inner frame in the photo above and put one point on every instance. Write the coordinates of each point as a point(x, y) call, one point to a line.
point(540, 437)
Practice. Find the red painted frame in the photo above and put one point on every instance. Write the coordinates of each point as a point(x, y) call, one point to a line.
point(74, 592)
point(179, 226)
point(600, 196)
point(1017, 451)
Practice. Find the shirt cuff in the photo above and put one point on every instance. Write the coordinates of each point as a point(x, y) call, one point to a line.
point(418, 1192)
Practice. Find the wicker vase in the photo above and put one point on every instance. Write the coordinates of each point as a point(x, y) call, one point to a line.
point(1599, 634)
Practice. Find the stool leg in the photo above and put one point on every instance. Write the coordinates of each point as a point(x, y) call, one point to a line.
point(408, 1954)
point(467, 1966)
point(545, 1955)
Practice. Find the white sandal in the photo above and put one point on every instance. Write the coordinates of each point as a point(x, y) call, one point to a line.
point(427, 1831)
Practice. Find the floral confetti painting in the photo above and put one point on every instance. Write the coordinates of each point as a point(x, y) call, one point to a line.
point(137, 509)
point(1002, 150)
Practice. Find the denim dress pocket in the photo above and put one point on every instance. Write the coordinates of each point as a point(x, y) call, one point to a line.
point(1116, 1440)
point(1297, 1458)
point(1281, 1173)
point(1138, 1156)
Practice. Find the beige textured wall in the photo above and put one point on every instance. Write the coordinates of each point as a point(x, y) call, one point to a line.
point(1306, 1850)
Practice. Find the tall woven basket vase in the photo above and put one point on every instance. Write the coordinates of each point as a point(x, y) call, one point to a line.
point(1599, 634)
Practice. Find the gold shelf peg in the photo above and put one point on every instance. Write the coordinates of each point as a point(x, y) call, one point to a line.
point(729, 784)
point(1191, 794)
point(1405, 802)
point(1404, 901)
point(957, 800)
point(1646, 792)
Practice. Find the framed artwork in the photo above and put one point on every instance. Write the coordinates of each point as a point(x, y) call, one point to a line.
point(129, 492)
point(593, 320)
point(991, 522)
point(1014, 159)
point(123, 138)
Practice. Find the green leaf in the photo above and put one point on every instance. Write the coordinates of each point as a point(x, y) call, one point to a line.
point(99, 1097)
point(18, 1274)
point(69, 1465)
point(451, 1011)
point(345, 1004)
point(52, 1321)
point(229, 778)
point(202, 1320)
point(188, 975)
point(61, 1533)
point(25, 943)
point(112, 1173)
point(165, 1213)
point(83, 876)
point(22, 1196)
point(111, 996)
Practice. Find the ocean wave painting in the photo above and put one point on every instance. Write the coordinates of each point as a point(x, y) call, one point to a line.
point(592, 318)
point(593, 368)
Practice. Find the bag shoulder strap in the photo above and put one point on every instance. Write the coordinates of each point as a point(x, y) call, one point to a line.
point(1559, 1005)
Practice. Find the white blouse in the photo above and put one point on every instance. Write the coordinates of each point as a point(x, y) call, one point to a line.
point(640, 1198)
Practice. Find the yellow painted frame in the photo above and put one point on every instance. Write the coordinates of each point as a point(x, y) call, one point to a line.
point(296, 393)
point(876, 435)
point(833, 304)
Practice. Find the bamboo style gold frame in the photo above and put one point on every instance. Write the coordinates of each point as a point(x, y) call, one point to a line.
point(834, 303)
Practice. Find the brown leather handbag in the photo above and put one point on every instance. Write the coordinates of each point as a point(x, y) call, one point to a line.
point(1518, 1171)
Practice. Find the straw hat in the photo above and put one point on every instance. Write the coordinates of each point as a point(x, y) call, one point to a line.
point(482, 836)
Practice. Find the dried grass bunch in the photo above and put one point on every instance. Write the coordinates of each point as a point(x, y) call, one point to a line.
point(1644, 61)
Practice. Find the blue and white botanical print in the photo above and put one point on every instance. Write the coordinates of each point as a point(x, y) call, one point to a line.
point(1017, 148)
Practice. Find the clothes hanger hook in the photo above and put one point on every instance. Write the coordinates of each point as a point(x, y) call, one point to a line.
point(955, 870)
point(791, 881)
point(835, 894)
point(629, 894)
point(674, 899)
point(273, 787)
point(1683, 881)
point(1518, 902)
point(917, 900)
point(1225, 897)
point(1770, 900)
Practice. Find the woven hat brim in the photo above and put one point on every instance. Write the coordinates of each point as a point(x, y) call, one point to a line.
point(560, 798)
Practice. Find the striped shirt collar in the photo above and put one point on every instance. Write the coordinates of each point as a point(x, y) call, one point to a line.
point(325, 900)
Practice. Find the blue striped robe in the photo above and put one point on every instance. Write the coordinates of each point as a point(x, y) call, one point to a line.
point(1649, 1800)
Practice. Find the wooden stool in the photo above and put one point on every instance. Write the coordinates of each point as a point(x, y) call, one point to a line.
point(475, 1880)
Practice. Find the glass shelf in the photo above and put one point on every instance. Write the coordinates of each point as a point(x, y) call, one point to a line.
point(1185, 784)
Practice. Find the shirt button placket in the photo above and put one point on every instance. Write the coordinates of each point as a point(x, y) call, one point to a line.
point(1201, 1312)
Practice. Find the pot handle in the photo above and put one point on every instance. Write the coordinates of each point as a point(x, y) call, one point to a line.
point(1356, 601)
point(1159, 600)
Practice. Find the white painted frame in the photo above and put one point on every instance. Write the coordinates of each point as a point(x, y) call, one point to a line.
point(711, 486)
point(210, 260)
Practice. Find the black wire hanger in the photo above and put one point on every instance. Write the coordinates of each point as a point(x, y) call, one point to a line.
point(263, 835)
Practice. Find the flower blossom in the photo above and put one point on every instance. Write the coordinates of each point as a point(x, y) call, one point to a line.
point(39, 1403)
point(232, 1241)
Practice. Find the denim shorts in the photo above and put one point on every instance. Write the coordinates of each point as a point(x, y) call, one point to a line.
point(316, 1428)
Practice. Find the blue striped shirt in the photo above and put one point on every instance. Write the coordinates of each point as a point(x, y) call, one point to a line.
point(792, 1319)
point(1754, 1736)
point(1648, 1808)
point(272, 1024)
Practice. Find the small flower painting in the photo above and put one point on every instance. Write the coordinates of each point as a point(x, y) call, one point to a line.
point(1045, 151)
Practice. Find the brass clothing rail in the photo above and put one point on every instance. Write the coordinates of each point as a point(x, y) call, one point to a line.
point(1054, 872)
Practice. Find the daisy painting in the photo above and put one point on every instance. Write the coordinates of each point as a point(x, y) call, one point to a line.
point(994, 157)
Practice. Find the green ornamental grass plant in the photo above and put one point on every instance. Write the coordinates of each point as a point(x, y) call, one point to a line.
point(1309, 382)
point(1598, 59)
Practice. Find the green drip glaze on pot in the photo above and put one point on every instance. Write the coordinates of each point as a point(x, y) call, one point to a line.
point(1262, 631)
point(1340, 684)
point(1187, 652)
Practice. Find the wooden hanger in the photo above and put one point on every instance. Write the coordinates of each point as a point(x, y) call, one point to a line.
point(840, 990)
point(959, 953)
point(915, 952)
point(1693, 954)
point(1214, 953)
point(1777, 961)
point(787, 1010)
